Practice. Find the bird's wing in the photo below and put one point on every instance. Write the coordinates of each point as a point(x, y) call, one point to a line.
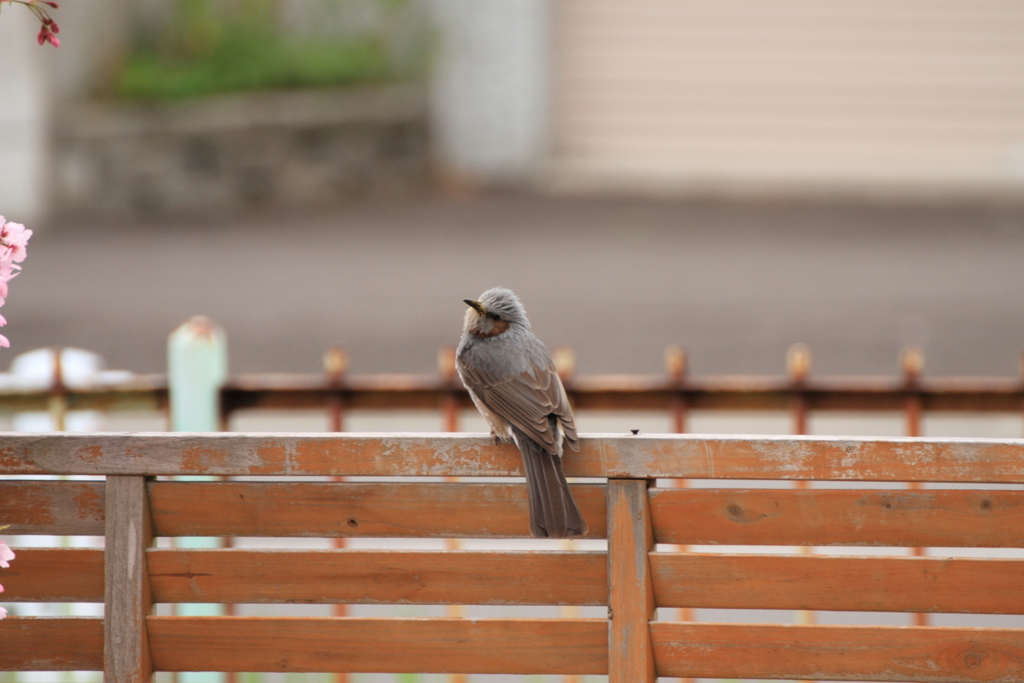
point(526, 399)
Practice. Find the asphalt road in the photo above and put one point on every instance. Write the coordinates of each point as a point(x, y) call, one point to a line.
point(617, 280)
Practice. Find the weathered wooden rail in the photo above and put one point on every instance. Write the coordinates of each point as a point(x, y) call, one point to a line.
point(131, 508)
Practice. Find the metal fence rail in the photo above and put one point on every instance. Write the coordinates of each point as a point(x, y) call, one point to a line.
point(673, 391)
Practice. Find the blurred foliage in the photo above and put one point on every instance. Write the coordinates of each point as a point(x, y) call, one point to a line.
point(208, 47)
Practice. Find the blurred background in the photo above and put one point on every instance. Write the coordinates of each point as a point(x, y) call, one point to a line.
point(729, 177)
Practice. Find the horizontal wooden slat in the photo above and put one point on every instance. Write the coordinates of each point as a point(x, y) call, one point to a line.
point(333, 509)
point(379, 576)
point(840, 653)
point(54, 575)
point(65, 644)
point(668, 455)
point(742, 581)
point(59, 508)
point(938, 518)
point(865, 584)
point(524, 646)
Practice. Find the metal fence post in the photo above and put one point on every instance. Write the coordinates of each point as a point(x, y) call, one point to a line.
point(197, 367)
point(912, 364)
point(335, 362)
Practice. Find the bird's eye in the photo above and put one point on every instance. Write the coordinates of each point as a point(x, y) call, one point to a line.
point(493, 316)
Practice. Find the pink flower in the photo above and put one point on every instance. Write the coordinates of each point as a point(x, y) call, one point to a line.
point(6, 555)
point(13, 249)
point(15, 237)
point(48, 27)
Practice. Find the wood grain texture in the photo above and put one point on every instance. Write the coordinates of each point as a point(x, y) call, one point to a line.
point(59, 508)
point(936, 518)
point(670, 455)
point(630, 588)
point(337, 509)
point(524, 646)
point(839, 653)
point(54, 575)
point(379, 576)
point(865, 584)
point(64, 644)
point(127, 599)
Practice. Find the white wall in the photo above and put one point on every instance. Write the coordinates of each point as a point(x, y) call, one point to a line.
point(489, 88)
point(35, 79)
point(24, 118)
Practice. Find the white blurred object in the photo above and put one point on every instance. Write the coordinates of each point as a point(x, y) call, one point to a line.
point(37, 371)
point(24, 119)
point(489, 88)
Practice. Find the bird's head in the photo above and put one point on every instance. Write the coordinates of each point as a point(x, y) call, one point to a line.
point(493, 313)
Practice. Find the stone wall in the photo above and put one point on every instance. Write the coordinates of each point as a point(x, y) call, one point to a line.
point(230, 153)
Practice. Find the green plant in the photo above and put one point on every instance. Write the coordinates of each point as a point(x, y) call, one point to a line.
point(205, 51)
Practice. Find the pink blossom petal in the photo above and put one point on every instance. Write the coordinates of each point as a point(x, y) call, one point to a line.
point(6, 554)
point(7, 268)
point(3, 613)
point(15, 237)
point(3, 321)
point(6, 344)
point(10, 230)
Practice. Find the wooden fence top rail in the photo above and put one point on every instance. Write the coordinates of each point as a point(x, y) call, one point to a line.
point(681, 456)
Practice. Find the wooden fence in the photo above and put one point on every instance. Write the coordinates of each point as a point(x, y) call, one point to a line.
point(632, 578)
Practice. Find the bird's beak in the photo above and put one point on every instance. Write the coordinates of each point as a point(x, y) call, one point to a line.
point(476, 306)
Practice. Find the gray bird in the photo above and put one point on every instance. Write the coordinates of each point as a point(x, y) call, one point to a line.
point(512, 381)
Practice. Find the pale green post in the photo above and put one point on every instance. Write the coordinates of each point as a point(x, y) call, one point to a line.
point(197, 366)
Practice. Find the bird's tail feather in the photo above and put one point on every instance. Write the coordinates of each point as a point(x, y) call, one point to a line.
point(553, 512)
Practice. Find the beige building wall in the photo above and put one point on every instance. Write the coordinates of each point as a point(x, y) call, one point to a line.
point(790, 96)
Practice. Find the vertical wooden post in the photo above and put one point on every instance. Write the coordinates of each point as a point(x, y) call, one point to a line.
point(127, 601)
point(630, 589)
